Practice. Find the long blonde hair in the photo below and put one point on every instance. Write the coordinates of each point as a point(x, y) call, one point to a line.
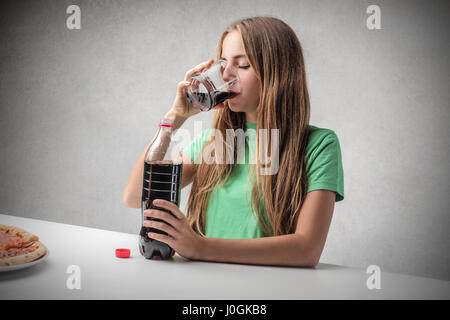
point(275, 54)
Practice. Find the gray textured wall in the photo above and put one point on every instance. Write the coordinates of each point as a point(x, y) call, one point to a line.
point(79, 106)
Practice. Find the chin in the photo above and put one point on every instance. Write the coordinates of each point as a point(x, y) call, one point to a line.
point(234, 107)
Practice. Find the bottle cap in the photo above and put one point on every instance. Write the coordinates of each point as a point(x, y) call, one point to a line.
point(122, 253)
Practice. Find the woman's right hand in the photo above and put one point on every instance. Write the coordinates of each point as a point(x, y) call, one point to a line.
point(181, 105)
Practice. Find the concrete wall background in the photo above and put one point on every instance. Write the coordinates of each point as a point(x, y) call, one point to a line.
point(79, 106)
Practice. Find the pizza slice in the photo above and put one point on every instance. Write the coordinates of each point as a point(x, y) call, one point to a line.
point(14, 237)
point(18, 246)
point(15, 256)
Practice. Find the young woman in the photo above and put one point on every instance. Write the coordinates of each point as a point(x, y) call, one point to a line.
point(234, 213)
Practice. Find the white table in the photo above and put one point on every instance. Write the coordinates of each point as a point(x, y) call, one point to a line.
point(103, 276)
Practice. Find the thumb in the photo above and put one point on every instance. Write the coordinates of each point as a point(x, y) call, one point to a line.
point(183, 85)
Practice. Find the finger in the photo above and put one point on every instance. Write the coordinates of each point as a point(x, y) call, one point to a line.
point(202, 66)
point(183, 84)
point(162, 215)
point(199, 68)
point(161, 226)
point(172, 207)
point(181, 87)
point(161, 237)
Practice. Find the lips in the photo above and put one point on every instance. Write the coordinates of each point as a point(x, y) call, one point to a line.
point(235, 95)
point(221, 105)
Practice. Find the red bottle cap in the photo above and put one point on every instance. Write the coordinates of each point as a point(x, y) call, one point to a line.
point(122, 253)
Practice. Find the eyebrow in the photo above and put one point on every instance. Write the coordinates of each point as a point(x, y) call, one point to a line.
point(235, 57)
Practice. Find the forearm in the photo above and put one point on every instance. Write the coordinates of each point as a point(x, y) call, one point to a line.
point(133, 189)
point(285, 250)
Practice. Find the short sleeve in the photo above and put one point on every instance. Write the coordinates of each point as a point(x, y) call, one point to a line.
point(195, 147)
point(324, 166)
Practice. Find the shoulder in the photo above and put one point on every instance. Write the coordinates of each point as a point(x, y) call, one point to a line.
point(320, 138)
point(324, 162)
point(323, 146)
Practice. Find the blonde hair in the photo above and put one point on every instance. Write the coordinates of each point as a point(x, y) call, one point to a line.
point(275, 54)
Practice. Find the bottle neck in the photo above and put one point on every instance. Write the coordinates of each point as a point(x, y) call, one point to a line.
point(168, 123)
point(165, 126)
point(160, 144)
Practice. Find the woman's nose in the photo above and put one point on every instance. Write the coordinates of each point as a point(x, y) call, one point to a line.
point(229, 72)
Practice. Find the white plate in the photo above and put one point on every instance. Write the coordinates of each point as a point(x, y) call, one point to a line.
point(25, 265)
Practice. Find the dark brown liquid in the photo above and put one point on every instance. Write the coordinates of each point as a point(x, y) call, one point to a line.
point(161, 180)
point(210, 100)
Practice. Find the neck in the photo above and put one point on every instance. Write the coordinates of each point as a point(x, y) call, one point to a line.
point(251, 117)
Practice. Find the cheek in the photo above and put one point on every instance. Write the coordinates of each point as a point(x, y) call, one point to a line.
point(250, 86)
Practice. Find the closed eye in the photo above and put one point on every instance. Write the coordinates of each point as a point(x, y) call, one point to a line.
point(244, 67)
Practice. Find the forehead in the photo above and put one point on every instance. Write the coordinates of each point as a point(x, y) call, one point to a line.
point(233, 45)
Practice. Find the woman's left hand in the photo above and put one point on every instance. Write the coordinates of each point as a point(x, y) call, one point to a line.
point(180, 236)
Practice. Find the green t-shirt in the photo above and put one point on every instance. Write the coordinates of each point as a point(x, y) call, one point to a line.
point(229, 214)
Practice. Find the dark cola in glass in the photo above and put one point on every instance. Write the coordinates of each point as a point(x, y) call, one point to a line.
point(207, 101)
